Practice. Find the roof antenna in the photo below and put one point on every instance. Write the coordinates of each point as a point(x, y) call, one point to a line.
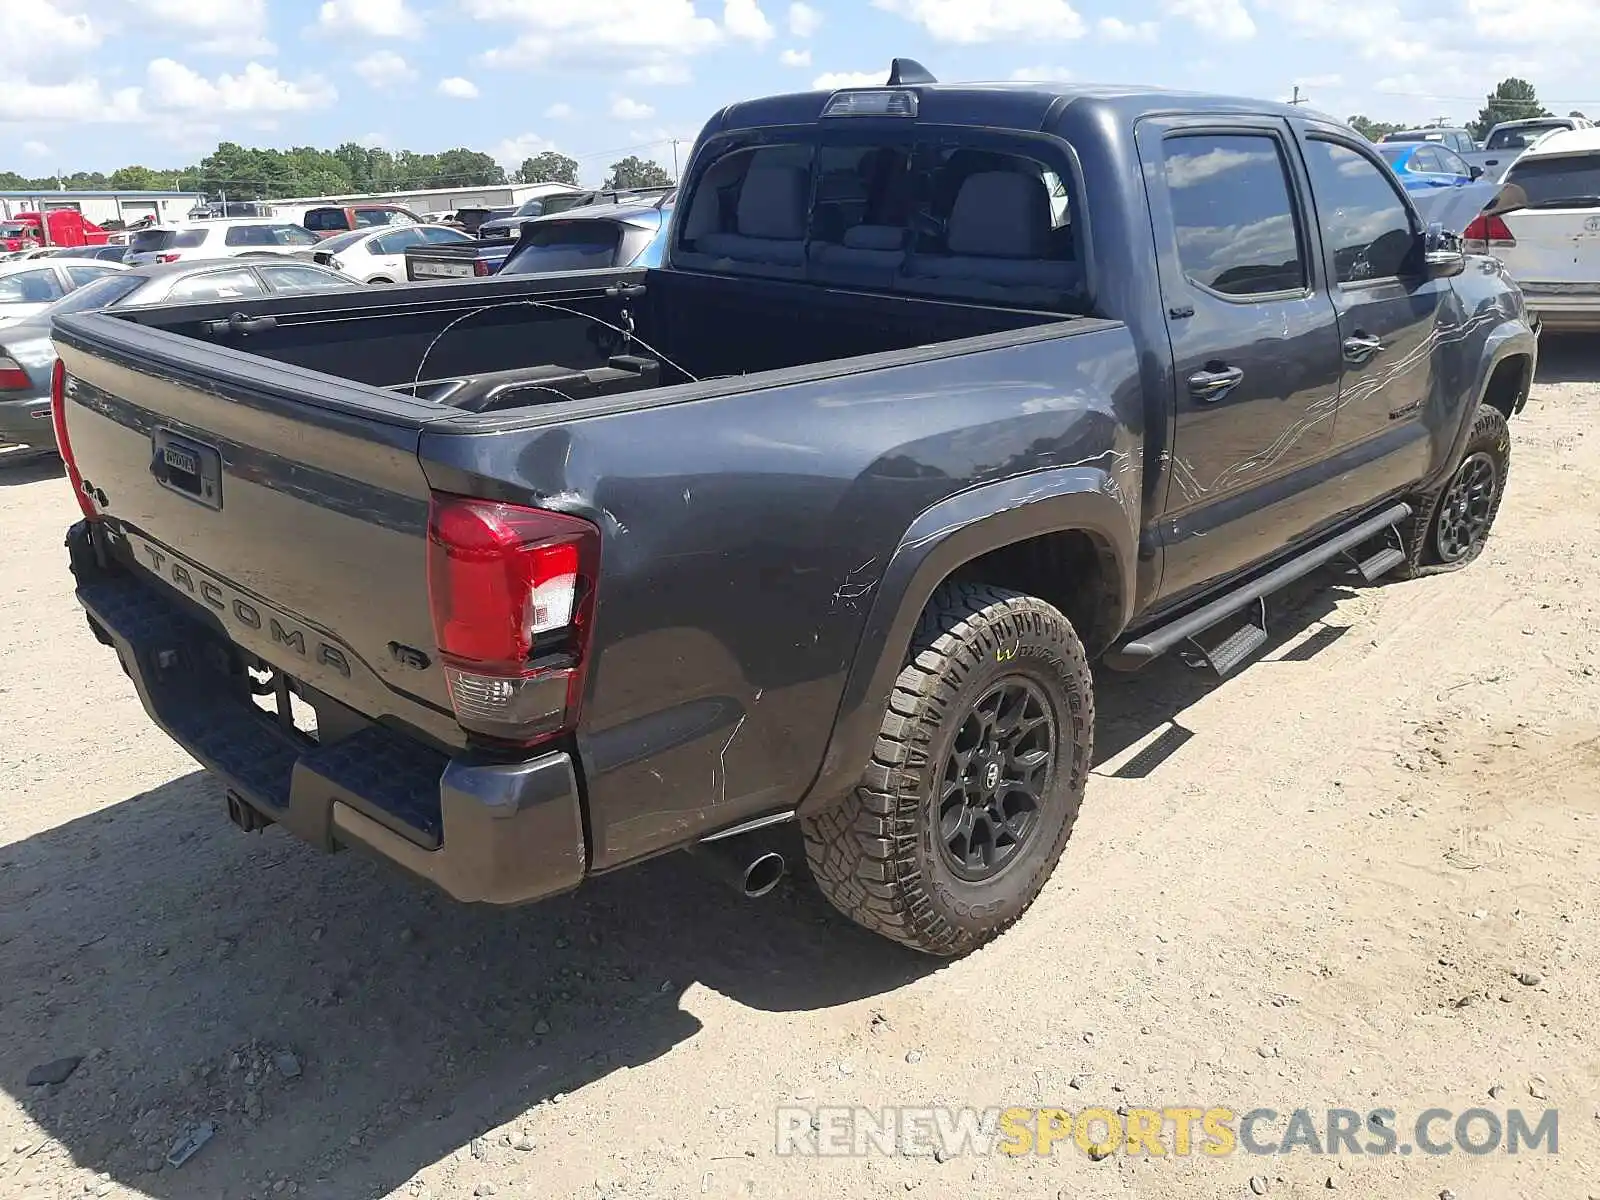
point(908, 70)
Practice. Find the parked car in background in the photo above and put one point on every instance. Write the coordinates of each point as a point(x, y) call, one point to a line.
point(223, 238)
point(1423, 165)
point(379, 255)
point(31, 286)
point(1545, 228)
point(604, 235)
point(27, 355)
point(560, 202)
point(1459, 140)
point(1510, 138)
point(329, 220)
point(471, 218)
point(112, 252)
point(66, 227)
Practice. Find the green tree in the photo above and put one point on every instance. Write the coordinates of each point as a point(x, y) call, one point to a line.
point(1512, 100)
point(548, 167)
point(632, 172)
point(1372, 130)
point(136, 179)
point(467, 168)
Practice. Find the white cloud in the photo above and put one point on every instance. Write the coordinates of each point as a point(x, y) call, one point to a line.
point(659, 73)
point(41, 31)
point(1226, 19)
point(795, 58)
point(458, 88)
point(173, 87)
point(234, 27)
point(834, 80)
point(744, 20)
point(1114, 30)
point(384, 69)
point(803, 20)
point(373, 139)
point(373, 18)
point(1042, 75)
point(972, 21)
point(36, 149)
point(80, 100)
point(624, 109)
point(513, 150)
point(559, 112)
point(654, 36)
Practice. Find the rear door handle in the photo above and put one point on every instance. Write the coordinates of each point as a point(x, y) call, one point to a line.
point(1361, 347)
point(1210, 386)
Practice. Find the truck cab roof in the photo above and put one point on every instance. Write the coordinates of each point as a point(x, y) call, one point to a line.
point(1008, 105)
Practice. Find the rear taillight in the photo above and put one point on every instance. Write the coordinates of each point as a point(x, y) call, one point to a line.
point(58, 420)
point(1487, 233)
point(12, 377)
point(166, 258)
point(512, 593)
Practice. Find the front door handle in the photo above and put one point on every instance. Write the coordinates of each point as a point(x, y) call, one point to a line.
point(1209, 386)
point(1361, 347)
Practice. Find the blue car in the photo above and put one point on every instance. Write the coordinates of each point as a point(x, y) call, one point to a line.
point(1423, 166)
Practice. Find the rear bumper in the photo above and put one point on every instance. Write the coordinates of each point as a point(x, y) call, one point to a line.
point(26, 421)
point(486, 831)
point(1564, 310)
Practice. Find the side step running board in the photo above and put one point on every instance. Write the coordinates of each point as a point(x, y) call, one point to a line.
point(1158, 641)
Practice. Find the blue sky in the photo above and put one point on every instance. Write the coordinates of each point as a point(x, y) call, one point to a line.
point(97, 84)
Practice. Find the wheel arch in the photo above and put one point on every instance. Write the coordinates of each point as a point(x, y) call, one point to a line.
point(1067, 535)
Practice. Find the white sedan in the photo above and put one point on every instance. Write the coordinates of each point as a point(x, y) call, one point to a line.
point(32, 285)
point(379, 255)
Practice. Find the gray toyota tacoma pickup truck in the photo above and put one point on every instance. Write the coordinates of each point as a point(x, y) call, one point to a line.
point(940, 393)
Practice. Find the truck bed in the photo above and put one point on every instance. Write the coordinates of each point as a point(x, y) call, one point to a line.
point(429, 340)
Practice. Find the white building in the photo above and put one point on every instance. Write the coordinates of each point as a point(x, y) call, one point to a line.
point(101, 207)
point(425, 200)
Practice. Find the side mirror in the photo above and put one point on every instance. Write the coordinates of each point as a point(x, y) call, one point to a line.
point(1477, 173)
point(1442, 256)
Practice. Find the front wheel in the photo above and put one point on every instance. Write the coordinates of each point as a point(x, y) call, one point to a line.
point(1452, 522)
point(976, 779)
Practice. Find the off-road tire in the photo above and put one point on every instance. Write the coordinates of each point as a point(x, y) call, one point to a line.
point(877, 855)
point(1490, 435)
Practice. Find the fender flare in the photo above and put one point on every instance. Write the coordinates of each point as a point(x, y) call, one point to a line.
point(1509, 339)
point(944, 537)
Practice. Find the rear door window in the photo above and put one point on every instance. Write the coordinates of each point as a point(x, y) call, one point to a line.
point(81, 275)
point(1519, 137)
point(232, 284)
point(146, 241)
point(289, 277)
point(1234, 212)
point(326, 220)
point(31, 287)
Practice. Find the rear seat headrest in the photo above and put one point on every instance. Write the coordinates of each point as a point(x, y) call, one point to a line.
point(1000, 214)
point(772, 202)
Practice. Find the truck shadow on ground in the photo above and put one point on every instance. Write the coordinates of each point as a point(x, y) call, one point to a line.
point(344, 1027)
point(19, 467)
point(185, 961)
point(1569, 358)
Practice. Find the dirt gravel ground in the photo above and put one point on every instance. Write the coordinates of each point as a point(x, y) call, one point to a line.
point(1322, 897)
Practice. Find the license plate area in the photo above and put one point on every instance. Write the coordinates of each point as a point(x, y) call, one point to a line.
point(443, 270)
point(279, 699)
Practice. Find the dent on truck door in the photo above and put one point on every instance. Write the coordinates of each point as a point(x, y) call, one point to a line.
point(1390, 322)
point(1255, 342)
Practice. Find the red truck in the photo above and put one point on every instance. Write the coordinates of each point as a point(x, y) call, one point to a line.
point(68, 227)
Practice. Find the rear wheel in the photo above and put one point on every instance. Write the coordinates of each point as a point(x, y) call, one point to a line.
point(380, 279)
point(975, 781)
point(1452, 522)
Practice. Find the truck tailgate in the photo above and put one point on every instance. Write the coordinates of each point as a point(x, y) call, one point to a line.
point(284, 506)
